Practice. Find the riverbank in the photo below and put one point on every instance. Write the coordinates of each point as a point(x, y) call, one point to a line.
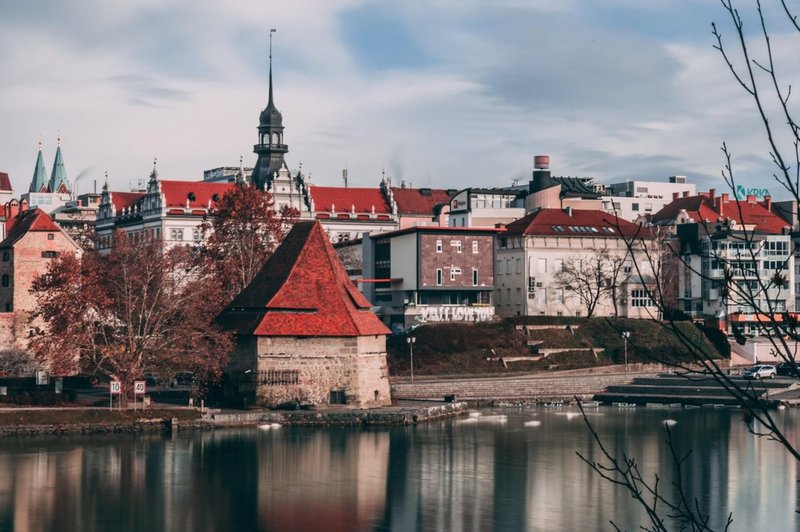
point(56, 421)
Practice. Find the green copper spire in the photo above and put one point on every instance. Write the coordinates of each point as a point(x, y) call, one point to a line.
point(58, 177)
point(39, 182)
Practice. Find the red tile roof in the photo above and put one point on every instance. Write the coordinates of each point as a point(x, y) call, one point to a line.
point(345, 199)
point(418, 200)
point(709, 207)
point(580, 223)
point(302, 290)
point(177, 192)
point(5, 183)
point(123, 200)
point(26, 222)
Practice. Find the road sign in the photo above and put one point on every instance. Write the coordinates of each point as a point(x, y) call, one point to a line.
point(138, 387)
point(115, 387)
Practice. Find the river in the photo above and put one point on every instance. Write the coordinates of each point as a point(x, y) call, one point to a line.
point(481, 473)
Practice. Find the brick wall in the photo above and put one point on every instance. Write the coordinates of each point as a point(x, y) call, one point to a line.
point(449, 256)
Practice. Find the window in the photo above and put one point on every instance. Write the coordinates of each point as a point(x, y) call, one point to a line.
point(176, 234)
point(49, 254)
point(474, 277)
point(559, 296)
point(641, 298)
point(5, 280)
point(626, 268)
point(454, 272)
point(542, 265)
point(474, 246)
point(196, 235)
point(50, 236)
point(508, 266)
point(438, 246)
point(519, 265)
point(499, 270)
point(558, 265)
point(634, 206)
point(456, 244)
point(9, 307)
point(508, 297)
point(6, 256)
point(439, 277)
point(519, 296)
point(648, 207)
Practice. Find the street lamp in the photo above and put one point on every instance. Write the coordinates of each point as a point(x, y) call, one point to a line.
point(625, 336)
point(410, 341)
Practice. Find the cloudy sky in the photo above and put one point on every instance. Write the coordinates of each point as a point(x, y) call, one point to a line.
point(442, 93)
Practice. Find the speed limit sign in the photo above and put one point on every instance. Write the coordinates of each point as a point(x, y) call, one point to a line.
point(115, 387)
point(138, 387)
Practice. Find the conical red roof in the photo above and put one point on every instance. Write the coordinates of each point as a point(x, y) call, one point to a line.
point(302, 290)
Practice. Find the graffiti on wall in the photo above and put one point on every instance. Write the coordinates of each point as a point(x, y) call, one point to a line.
point(455, 313)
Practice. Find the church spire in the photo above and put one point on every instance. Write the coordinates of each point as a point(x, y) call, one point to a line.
point(270, 147)
point(39, 183)
point(58, 177)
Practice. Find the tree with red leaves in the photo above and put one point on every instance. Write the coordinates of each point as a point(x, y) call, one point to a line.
point(241, 235)
point(139, 308)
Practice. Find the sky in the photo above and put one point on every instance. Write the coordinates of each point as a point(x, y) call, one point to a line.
point(439, 93)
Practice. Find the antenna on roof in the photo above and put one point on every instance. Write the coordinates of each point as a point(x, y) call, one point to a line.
point(344, 177)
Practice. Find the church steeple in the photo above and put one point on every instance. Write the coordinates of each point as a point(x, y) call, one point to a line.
point(58, 177)
point(39, 183)
point(270, 147)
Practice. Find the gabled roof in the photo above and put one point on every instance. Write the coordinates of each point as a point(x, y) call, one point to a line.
point(708, 206)
point(578, 223)
point(123, 200)
point(345, 199)
point(27, 222)
point(418, 200)
point(5, 182)
point(302, 290)
point(198, 193)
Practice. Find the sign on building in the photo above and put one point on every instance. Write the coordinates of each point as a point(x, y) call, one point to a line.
point(742, 192)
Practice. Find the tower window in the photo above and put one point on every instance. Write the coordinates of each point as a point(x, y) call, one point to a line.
point(5, 280)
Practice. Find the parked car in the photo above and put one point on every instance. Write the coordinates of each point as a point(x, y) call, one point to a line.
point(762, 371)
point(184, 378)
point(786, 369)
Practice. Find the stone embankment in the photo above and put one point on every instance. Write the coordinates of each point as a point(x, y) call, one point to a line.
point(526, 388)
point(402, 414)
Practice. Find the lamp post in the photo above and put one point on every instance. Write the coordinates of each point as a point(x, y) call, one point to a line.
point(410, 341)
point(625, 336)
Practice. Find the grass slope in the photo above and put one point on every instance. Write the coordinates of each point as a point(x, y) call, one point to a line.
point(451, 348)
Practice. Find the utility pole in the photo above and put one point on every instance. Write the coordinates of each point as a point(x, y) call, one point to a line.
point(625, 336)
point(410, 341)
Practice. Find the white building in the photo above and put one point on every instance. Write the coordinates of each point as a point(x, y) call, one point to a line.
point(534, 251)
point(632, 199)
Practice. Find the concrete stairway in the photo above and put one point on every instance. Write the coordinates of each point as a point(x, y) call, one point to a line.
point(691, 390)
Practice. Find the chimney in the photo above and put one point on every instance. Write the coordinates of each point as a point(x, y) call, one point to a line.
point(768, 202)
point(751, 199)
point(541, 174)
point(712, 194)
point(685, 193)
point(500, 225)
point(568, 210)
point(675, 195)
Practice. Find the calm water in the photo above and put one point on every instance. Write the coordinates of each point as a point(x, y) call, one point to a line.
point(454, 475)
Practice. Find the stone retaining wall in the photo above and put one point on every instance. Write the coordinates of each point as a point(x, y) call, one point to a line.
point(509, 388)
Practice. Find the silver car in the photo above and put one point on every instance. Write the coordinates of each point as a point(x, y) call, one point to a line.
point(762, 371)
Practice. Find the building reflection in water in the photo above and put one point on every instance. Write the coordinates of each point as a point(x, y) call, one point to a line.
point(455, 475)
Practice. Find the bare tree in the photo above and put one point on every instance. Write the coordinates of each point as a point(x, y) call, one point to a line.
point(591, 277)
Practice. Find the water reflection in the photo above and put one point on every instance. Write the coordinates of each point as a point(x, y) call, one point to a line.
point(476, 474)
